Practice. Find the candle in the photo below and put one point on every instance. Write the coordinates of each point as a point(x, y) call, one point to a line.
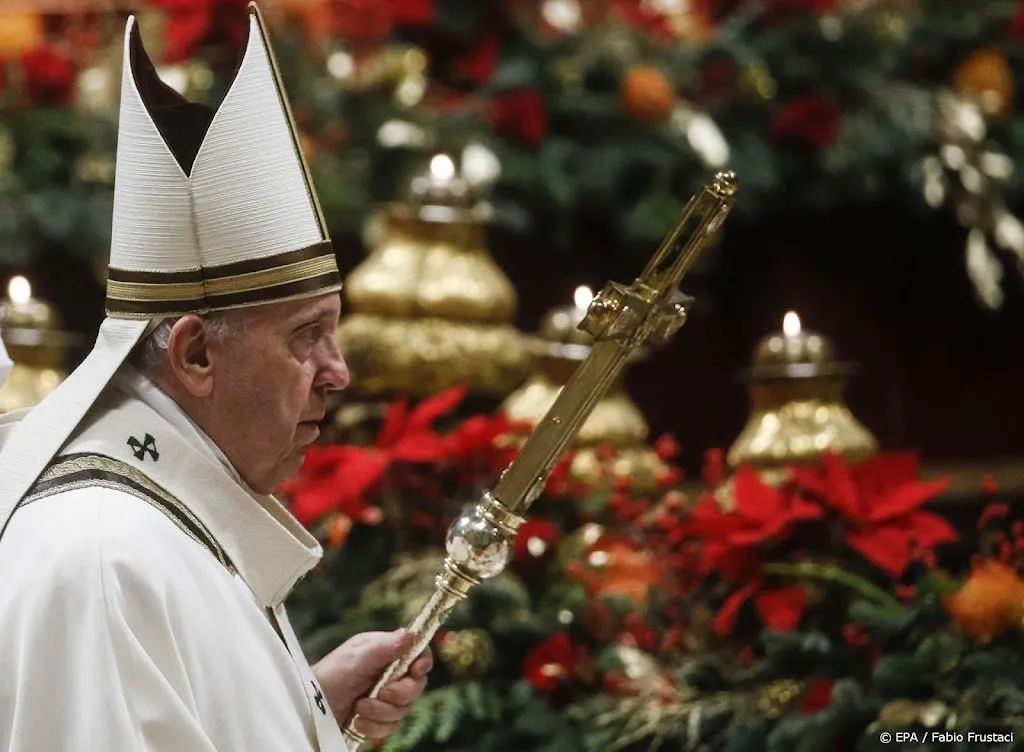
point(19, 290)
point(791, 324)
point(582, 298)
point(795, 352)
point(27, 320)
point(20, 309)
point(442, 168)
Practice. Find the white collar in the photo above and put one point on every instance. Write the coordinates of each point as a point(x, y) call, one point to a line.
point(135, 384)
point(269, 548)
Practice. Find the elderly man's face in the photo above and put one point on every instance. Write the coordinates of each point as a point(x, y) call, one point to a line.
point(270, 386)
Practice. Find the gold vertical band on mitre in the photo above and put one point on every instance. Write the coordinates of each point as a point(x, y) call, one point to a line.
point(305, 272)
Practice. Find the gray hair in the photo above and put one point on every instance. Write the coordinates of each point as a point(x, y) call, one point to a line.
point(151, 354)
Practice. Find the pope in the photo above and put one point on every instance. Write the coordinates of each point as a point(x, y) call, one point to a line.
point(144, 561)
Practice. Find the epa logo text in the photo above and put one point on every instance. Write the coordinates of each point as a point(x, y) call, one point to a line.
point(951, 736)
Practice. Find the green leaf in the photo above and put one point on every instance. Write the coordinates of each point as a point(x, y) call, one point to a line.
point(748, 736)
point(882, 623)
point(788, 733)
point(651, 217)
point(506, 591)
point(520, 169)
point(942, 650)
point(994, 662)
point(514, 71)
point(936, 585)
point(450, 712)
point(703, 674)
point(417, 726)
point(796, 653)
point(901, 675)
point(476, 704)
point(460, 18)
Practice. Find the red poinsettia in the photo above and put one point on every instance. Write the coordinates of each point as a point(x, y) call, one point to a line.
point(818, 696)
point(733, 539)
point(880, 500)
point(190, 23)
point(779, 608)
point(49, 78)
point(521, 116)
point(1017, 25)
point(534, 547)
point(338, 477)
point(553, 662)
point(809, 122)
point(478, 64)
point(535, 538)
point(478, 445)
point(733, 545)
point(638, 16)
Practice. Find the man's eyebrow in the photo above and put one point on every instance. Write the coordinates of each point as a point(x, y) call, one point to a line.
point(312, 318)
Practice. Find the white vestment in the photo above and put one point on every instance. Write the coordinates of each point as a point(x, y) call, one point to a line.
point(149, 616)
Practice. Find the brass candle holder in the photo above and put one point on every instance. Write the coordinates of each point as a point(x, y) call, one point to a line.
point(32, 335)
point(798, 412)
point(430, 309)
point(616, 422)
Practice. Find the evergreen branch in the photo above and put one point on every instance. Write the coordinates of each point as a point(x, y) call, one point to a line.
point(838, 576)
point(450, 713)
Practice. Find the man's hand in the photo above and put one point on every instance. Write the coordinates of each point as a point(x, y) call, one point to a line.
point(352, 669)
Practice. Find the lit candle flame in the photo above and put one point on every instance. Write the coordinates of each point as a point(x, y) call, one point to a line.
point(19, 290)
point(791, 324)
point(582, 297)
point(442, 167)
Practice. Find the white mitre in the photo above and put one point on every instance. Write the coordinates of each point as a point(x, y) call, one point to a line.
point(212, 210)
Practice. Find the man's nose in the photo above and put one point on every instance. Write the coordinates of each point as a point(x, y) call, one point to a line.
point(333, 370)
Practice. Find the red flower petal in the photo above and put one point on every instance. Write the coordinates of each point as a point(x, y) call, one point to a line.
point(931, 529)
point(423, 446)
point(840, 490)
point(429, 410)
point(310, 505)
point(414, 12)
point(782, 608)
point(887, 546)
point(800, 509)
point(725, 619)
point(733, 563)
point(395, 423)
point(818, 697)
point(355, 477)
point(551, 662)
point(877, 474)
point(707, 520)
point(755, 498)
point(904, 499)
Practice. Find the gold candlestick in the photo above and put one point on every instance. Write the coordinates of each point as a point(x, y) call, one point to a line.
point(616, 422)
point(621, 319)
point(430, 309)
point(797, 410)
point(30, 328)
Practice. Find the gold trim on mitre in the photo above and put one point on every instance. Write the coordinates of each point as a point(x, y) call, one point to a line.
point(284, 276)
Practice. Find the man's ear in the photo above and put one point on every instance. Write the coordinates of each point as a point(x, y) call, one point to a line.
point(188, 355)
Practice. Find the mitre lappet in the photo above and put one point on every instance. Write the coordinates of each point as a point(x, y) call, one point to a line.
point(213, 209)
